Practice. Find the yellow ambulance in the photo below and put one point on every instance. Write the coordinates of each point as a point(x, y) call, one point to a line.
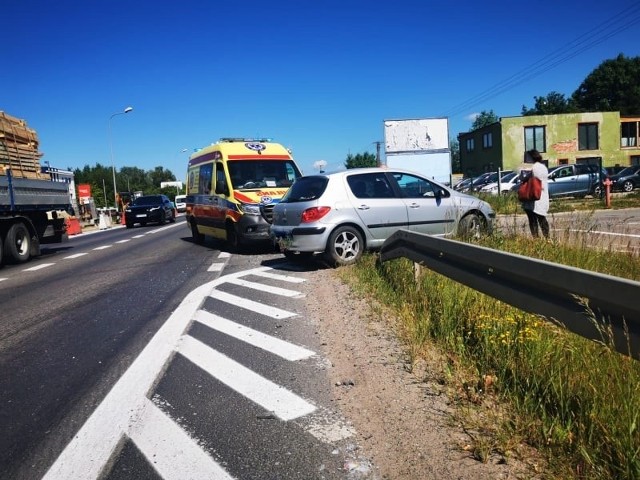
point(232, 187)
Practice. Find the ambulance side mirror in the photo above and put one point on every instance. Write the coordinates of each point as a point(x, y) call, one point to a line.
point(221, 188)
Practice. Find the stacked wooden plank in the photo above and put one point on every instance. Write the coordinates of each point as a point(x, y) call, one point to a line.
point(18, 148)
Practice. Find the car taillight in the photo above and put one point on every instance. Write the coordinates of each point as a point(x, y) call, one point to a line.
point(314, 214)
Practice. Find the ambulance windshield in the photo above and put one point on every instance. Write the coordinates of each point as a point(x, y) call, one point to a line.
point(252, 174)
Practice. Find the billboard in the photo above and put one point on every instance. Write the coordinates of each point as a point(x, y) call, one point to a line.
point(416, 135)
point(435, 166)
point(84, 190)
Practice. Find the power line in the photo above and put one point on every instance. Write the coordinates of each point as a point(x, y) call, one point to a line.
point(585, 41)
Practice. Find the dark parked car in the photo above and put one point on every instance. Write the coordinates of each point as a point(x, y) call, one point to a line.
point(611, 171)
point(627, 179)
point(150, 209)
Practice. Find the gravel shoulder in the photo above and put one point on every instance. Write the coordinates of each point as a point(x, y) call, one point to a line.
point(401, 412)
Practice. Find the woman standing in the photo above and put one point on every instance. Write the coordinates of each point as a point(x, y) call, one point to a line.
point(537, 210)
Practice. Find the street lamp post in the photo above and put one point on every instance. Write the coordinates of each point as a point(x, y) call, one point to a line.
point(113, 165)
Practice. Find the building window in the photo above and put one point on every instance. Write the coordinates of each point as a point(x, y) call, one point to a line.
point(487, 140)
point(629, 134)
point(471, 144)
point(588, 136)
point(534, 138)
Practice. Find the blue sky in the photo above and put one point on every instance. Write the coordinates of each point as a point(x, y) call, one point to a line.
point(318, 77)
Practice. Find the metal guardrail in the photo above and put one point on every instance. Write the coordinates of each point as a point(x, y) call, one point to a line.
point(554, 291)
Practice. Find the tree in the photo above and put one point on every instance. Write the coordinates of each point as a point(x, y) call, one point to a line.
point(613, 86)
point(553, 103)
point(483, 119)
point(128, 178)
point(361, 160)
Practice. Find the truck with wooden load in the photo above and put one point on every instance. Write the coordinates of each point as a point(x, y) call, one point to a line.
point(33, 208)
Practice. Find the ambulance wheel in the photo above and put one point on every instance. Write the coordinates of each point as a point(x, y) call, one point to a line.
point(17, 243)
point(233, 241)
point(198, 238)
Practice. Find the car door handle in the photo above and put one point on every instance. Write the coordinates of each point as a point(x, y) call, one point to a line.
point(363, 207)
point(414, 205)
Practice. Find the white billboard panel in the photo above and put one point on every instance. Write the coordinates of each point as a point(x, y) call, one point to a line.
point(417, 135)
point(436, 166)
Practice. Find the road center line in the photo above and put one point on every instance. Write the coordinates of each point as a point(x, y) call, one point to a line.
point(76, 255)
point(38, 267)
point(274, 398)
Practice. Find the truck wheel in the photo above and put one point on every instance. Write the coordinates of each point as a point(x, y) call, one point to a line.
point(198, 238)
point(17, 244)
point(345, 246)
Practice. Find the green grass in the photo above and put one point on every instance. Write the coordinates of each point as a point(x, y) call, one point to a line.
point(575, 399)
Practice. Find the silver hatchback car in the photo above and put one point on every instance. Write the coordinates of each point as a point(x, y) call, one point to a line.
point(342, 214)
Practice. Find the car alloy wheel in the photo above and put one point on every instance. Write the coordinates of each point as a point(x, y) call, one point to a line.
point(627, 186)
point(344, 246)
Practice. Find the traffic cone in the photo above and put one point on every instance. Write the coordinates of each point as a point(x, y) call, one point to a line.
point(122, 219)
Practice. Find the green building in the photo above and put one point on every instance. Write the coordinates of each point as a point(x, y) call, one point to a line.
point(561, 139)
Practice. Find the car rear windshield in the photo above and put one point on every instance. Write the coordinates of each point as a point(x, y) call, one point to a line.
point(305, 189)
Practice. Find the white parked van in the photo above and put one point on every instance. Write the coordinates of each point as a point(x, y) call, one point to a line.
point(181, 203)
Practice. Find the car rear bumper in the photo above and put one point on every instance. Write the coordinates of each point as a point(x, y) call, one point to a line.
point(300, 239)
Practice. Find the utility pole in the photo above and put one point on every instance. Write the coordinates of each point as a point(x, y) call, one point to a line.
point(378, 153)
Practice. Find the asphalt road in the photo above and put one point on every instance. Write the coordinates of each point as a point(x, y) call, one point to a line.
point(138, 354)
point(611, 230)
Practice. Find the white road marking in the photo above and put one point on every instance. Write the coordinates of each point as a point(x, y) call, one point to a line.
point(606, 233)
point(124, 410)
point(274, 345)
point(75, 255)
point(277, 276)
point(274, 398)
point(38, 267)
point(103, 247)
point(224, 255)
point(284, 292)
point(89, 451)
point(257, 307)
point(216, 267)
point(170, 450)
point(124, 241)
point(138, 236)
point(3, 279)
